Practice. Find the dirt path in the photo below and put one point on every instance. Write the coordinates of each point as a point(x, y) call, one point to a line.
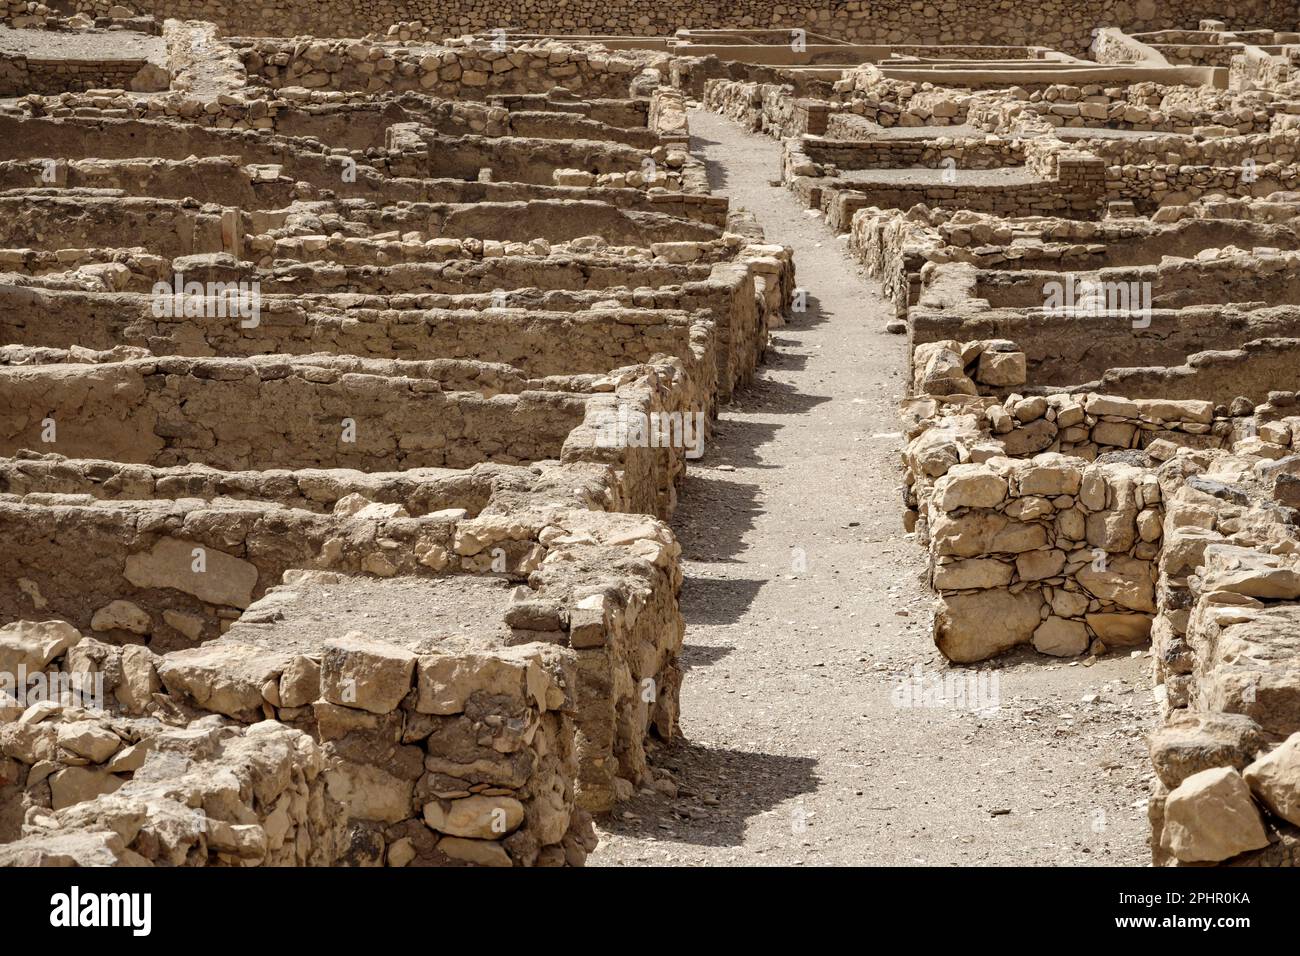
point(805, 606)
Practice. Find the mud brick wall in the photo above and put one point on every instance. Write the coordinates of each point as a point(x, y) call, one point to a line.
point(212, 179)
point(418, 152)
point(72, 137)
point(1182, 335)
point(536, 343)
point(141, 553)
point(1072, 184)
point(172, 411)
point(1251, 371)
point(163, 225)
point(419, 491)
point(553, 220)
point(463, 275)
point(1269, 276)
point(290, 168)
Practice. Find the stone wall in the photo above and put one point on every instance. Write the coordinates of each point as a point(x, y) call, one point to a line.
point(20, 75)
point(1073, 186)
point(1256, 68)
point(1045, 513)
point(453, 599)
point(965, 153)
point(479, 750)
point(1228, 753)
point(461, 71)
point(1190, 543)
point(1051, 551)
point(1065, 26)
point(170, 411)
point(897, 246)
point(1137, 106)
point(207, 794)
point(854, 107)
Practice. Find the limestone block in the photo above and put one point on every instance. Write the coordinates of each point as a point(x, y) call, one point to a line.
point(1061, 638)
point(1275, 779)
point(477, 817)
point(1211, 817)
point(358, 671)
point(1192, 742)
point(970, 486)
point(34, 644)
point(979, 625)
point(208, 574)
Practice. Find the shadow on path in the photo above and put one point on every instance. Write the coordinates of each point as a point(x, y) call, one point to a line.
point(720, 790)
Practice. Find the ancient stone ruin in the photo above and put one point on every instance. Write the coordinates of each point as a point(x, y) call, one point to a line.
point(349, 380)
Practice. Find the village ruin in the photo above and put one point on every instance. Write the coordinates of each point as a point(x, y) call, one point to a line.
point(360, 364)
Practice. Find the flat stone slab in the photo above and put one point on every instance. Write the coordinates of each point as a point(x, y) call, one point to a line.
point(452, 613)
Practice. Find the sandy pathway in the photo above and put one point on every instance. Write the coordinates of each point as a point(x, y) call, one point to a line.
point(804, 605)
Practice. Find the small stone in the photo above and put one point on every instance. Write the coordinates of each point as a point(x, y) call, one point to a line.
point(401, 852)
point(483, 818)
point(121, 616)
point(85, 738)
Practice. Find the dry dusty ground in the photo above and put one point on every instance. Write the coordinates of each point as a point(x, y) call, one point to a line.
point(122, 44)
point(795, 751)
